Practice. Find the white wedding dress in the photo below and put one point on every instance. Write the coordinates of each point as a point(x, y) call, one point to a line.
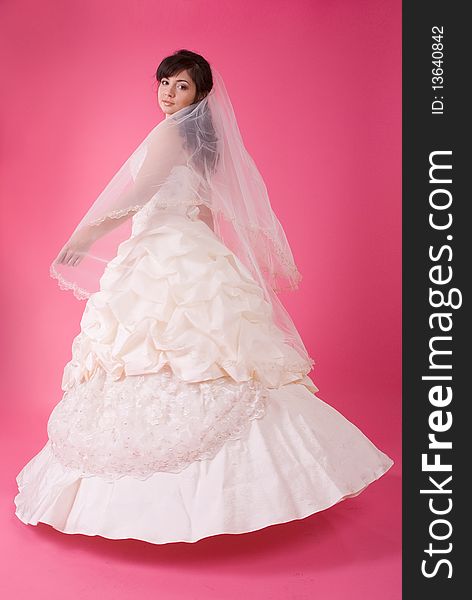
point(185, 414)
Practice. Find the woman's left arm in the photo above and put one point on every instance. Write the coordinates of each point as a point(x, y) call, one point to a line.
point(162, 154)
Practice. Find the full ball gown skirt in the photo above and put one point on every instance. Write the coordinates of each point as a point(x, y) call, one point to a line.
point(185, 414)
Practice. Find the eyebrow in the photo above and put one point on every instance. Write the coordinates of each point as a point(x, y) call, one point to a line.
point(177, 79)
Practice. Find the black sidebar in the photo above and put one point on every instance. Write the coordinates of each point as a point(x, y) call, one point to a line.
point(437, 349)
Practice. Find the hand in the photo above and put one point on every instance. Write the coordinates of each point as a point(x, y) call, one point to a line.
point(73, 252)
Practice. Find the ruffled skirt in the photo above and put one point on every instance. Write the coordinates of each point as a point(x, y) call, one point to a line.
point(185, 414)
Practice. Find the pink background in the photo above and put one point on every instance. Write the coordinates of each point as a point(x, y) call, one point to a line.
point(78, 94)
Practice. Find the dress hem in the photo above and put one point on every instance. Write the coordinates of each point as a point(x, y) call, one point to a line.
point(288, 519)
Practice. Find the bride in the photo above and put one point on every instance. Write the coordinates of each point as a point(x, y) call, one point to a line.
point(187, 407)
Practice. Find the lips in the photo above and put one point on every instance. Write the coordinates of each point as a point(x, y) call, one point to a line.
point(167, 102)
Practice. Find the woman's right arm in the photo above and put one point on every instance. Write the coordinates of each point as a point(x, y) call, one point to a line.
point(206, 216)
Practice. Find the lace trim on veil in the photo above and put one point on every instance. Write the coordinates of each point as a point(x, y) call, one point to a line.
point(295, 275)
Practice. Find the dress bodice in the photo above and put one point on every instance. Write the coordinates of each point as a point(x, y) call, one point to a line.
point(177, 196)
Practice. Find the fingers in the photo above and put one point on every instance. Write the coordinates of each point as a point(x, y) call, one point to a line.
point(67, 257)
point(62, 254)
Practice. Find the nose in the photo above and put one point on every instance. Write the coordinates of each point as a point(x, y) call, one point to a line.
point(169, 93)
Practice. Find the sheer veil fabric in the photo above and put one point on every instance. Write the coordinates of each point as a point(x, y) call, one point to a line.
point(187, 410)
point(204, 139)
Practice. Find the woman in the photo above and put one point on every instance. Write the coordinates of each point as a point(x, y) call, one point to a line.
point(187, 409)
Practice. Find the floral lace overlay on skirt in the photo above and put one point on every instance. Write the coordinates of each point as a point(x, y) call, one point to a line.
point(148, 423)
point(187, 410)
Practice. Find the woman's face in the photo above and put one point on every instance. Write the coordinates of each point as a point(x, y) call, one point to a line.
point(176, 92)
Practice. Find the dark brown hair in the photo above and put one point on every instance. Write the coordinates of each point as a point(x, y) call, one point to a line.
point(198, 68)
point(200, 139)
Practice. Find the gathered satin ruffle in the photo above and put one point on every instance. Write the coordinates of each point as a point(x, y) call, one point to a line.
point(185, 413)
point(176, 295)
